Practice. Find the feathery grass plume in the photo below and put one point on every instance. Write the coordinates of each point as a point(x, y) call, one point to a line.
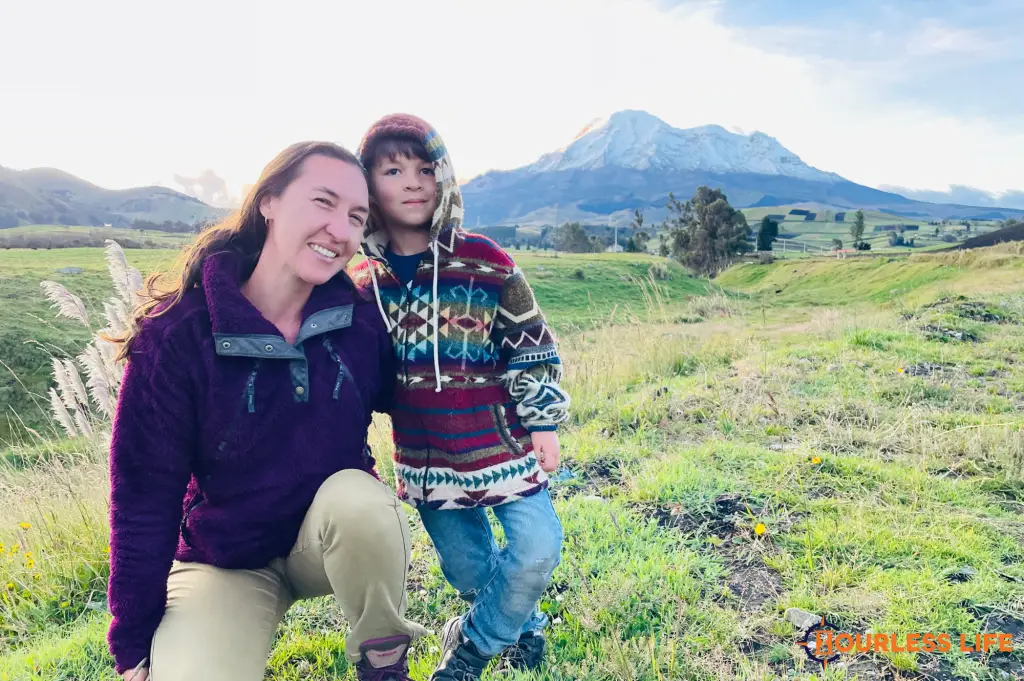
point(117, 265)
point(82, 423)
point(135, 285)
point(63, 380)
point(117, 316)
point(115, 367)
point(60, 412)
point(76, 383)
point(98, 378)
point(67, 304)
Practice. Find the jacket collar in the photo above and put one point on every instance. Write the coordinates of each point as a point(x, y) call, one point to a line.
point(233, 317)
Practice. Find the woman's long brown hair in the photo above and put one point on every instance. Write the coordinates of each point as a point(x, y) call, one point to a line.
point(244, 232)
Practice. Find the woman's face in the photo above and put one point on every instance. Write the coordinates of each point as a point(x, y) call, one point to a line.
point(316, 224)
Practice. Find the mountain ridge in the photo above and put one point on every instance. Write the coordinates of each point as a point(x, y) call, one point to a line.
point(633, 159)
point(54, 196)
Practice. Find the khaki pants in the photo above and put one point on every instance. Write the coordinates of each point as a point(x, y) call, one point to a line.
point(354, 543)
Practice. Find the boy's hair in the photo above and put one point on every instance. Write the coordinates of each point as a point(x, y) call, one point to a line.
point(391, 147)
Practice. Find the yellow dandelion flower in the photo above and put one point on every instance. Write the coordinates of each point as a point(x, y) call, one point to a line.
point(759, 529)
point(815, 460)
point(25, 526)
point(65, 605)
point(30, 563)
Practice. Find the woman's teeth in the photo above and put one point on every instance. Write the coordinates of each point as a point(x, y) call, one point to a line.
point(323, 251)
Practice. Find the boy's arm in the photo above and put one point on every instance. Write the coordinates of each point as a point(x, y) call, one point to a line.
point(534, 369)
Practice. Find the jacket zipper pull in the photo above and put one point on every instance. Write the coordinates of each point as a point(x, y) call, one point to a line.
point(250, 392)
point(337, 360)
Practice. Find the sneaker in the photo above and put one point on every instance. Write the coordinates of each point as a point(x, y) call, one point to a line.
point(384, 659)
point(527, 654)
point(461, 660)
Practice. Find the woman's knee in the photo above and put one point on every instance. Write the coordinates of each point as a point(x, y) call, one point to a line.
point(354, 496)
point(356, 505)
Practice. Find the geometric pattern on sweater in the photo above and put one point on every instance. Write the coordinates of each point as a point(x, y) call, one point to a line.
point(457, 381)
point(444, 489)
point(488, 321)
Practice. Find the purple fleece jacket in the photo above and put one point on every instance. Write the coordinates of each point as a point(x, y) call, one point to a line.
point(224, 432)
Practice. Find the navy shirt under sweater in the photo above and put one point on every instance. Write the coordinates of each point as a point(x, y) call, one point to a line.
point(404, 266)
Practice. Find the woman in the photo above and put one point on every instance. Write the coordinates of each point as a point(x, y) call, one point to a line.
point(241, 478)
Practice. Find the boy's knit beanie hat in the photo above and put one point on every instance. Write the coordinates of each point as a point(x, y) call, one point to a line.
point(404, 126)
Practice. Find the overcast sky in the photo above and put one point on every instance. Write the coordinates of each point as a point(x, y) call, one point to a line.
point(920, 94)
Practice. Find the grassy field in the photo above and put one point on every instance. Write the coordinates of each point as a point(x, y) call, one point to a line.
point(821, 231)
point(575, 291)
point(61, 236)
point(852, 446)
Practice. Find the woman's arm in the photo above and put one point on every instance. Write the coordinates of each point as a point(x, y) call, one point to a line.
point(152, 442)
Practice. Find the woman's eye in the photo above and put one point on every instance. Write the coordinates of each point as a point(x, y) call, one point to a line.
point(322, 201)
point(357, 220)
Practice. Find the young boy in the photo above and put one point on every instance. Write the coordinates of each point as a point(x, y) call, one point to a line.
point(477, 401)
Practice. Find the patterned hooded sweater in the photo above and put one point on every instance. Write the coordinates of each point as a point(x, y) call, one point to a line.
point(478, 368)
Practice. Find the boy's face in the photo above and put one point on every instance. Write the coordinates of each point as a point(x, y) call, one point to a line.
point(405, 190)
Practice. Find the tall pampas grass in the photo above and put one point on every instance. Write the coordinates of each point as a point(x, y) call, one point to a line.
point(84, 408)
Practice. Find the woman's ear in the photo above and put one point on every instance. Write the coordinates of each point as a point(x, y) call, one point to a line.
point(267, 208)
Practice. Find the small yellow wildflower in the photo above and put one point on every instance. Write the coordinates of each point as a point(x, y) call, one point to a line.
point(36, 577)
point(759, 529)
point(10, 586)
point(25, 526)
point(815, 460)
point(28, 554)
point(1, 548)
point(106, 550)
point(30, 563)
point(65, 605)
point(15, 549)
point(900, 370)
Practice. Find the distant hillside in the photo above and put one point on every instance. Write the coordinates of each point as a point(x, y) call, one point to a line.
point(1012, 233)
point(50, 196)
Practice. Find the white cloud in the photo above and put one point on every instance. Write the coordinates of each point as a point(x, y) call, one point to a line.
point(124, 93)
point(933, 37)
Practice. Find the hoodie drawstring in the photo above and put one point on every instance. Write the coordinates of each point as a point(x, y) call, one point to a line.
point(437, 308)
point(376, 294)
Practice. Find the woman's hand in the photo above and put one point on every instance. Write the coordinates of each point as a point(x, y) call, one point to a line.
point(136, 675)
point(545, 446)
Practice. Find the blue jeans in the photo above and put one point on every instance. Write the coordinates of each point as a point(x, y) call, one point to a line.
point(502, 586)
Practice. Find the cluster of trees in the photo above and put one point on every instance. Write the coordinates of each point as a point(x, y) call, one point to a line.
point(767, 234)
point(572, 238)
point(166, 226)
point(897, 239)
point(704, 233)
point(91, 239)
point(638, 242)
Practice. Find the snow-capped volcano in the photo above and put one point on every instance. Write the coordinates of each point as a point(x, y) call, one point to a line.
point(638, 140)
point(633, 160)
